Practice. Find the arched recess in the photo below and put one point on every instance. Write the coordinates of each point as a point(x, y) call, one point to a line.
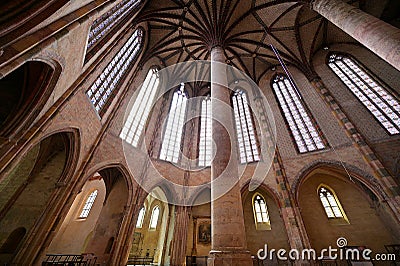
point(367, 222)
point(76, 230)
point(151, 240)
point(23, 93)
point(18, 17)
point(108, 234)
point(276, 236)
point(32, 190)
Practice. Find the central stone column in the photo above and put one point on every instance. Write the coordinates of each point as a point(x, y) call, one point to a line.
point(228, 242)
point(380, 37)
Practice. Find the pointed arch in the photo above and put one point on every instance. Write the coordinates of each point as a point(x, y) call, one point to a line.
point(48, 163)
point(365, 181)
point(24, 92)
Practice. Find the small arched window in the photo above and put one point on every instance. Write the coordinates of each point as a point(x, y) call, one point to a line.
point(108, 21)
point(171, 144)
point(330, 203)
point(245, 130)
point(140, 111)
point(205, 133)
point(102, 91)
point(88, 205)
point(301, 124)
point(260, 210)
point(140, 218)
point(154, 217)
point(379, 102)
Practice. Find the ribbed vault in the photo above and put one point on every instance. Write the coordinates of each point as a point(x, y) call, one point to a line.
point(182, 30)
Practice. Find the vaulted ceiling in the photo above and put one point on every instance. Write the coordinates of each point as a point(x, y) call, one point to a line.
point(182, 30)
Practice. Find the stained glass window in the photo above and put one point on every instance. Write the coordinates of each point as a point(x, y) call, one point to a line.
point(140, 111)
point(260, 209)
point(99, 93)
point(88, 204)
point(299, 120)
point(246, 135)
point(171, 144)
point(330, 204)
point(205, 133)
point(109, 20)
point(382, 105)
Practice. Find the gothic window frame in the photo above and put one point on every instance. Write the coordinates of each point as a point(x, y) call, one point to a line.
point(384, 88)
point(342, 218)
point(153, 223)
point(163, 155)
point(91, 50)
point(248, 114)
point(207, 148)
point(86, 208)
point(312, 121)
point(137, 136)
point(260, 225)
point(99, 88)
point(141, 216)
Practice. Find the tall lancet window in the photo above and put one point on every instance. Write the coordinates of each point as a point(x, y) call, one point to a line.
point(102, 90)
point(137, 118)
point(301, 124)
point(246, 134)
point(108, 21)
point(383, 106)
point(260, 211)
point(205, 133)
point(330, 203)
point(171, 144)
point(154, 217)
point(88, 204)
point(140, 219)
